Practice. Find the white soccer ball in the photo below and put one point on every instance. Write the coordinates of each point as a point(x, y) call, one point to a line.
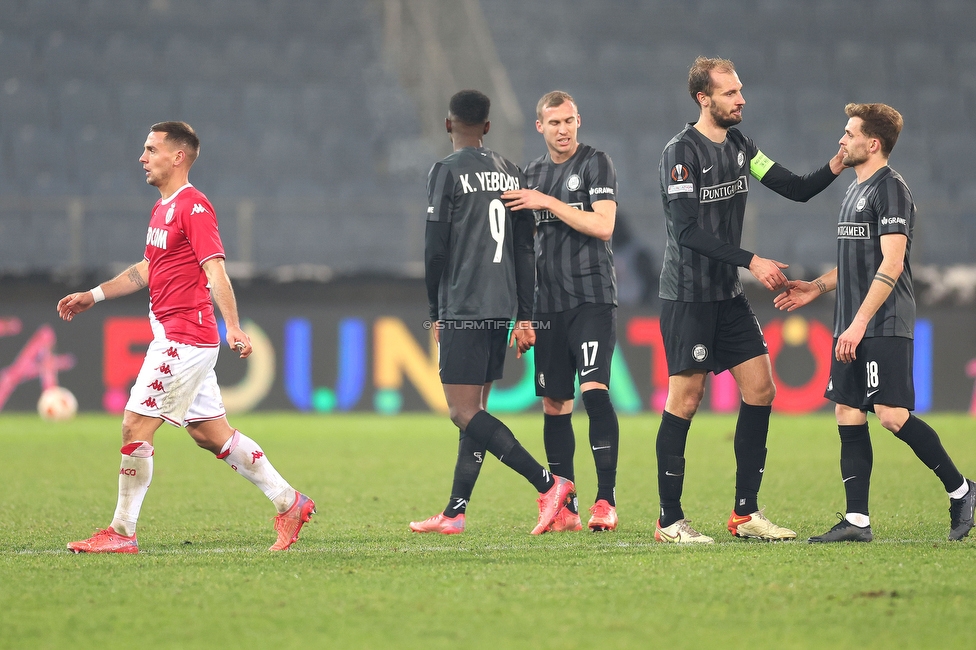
point(57, 403)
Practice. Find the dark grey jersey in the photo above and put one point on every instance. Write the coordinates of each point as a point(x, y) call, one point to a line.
point(464, 190)
point(704, 187)
point(572, 268)
point(879, 206)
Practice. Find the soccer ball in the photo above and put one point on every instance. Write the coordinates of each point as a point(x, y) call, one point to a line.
point(57, 403)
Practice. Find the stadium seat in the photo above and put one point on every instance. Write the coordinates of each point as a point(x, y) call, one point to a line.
point(85, 104)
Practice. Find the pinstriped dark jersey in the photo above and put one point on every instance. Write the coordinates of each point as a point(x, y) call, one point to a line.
point(880, 205)
point(713, 180)
point(572, 268)
point(465, 190)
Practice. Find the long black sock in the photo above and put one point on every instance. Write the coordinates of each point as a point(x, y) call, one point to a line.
point(671, 438)
point(751, 429)
point(925, 442)
point(856, 461)
point(560, 442)
point(604, 441)
point(499, 440)
point(557, 434)
point(470, 456)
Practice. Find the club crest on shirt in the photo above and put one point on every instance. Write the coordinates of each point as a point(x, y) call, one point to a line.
point(741, 159)
point(861, 202)
point(573, 182)
point(170, 212)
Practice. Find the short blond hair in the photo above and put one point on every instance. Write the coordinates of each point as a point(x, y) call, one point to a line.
point(551, 99)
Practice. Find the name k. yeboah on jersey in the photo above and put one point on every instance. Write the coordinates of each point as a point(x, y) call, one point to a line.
point(572, 268)
point(464, 189)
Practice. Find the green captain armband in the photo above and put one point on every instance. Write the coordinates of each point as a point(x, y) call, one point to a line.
point(759, 165)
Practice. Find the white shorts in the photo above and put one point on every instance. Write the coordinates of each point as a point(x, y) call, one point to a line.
point(177, 383)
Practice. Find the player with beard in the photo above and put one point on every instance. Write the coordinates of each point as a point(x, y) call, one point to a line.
point(706, 322)
point(183, 268)
point(874, 322)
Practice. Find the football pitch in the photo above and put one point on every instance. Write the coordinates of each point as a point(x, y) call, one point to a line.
point(359, 579)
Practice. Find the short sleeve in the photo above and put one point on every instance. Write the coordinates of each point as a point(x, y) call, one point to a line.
point(601, 178)
point(679, 172)
point(199, 224)
point(893, 205)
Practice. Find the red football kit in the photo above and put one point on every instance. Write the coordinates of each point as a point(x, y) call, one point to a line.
point(182, 236)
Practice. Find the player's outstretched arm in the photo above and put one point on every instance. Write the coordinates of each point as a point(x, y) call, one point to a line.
point(133, 279)
point(797, 188)
point(223, 295)
point(799, 292)
point(768, 272)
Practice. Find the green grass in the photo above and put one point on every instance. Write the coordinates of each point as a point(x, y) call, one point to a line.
point(358, 578)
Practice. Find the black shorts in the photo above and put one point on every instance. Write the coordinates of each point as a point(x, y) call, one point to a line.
point(472, 352)
point(578, 341)
point(881, 374)
point(710, 336)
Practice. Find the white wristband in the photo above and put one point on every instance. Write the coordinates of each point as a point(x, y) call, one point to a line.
point(98, 294)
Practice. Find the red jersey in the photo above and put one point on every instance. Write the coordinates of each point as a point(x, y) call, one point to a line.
point(182, 236)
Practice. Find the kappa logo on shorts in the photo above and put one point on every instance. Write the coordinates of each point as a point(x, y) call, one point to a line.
point(150, 402)
point(542, 380)
point(157, 385)
point(172, 353)
point(699, 353)
point(164, 368)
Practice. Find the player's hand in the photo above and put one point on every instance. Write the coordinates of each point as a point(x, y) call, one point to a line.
point(798, 293)
point(524, 336)
point(437, 331)
point(75, 303)
point(837, 162)
point(846, 350)
point(240, 341)
point(526, 200)
point(768, 272)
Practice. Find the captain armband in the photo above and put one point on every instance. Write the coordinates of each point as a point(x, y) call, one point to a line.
point(885, 279)
point(759, 165)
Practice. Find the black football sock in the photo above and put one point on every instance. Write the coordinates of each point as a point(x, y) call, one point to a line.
point(856, 461)
point(604, 441)
point(560, 442)
point(671, 438)
point(470, 456)
point(499, 440)
point(751, 429)
point(925, 442)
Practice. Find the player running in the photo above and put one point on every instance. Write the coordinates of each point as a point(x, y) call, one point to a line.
point(183, 266)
